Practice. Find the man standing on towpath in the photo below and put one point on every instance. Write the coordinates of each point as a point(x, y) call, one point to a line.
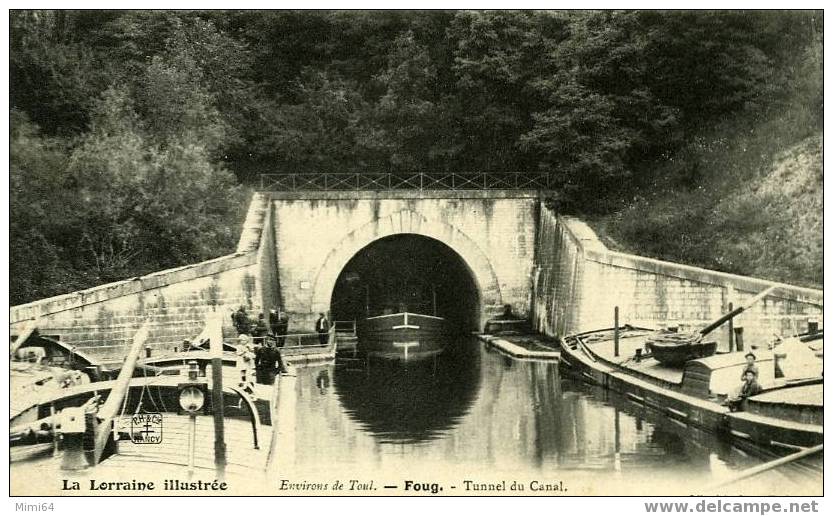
point(322, 326)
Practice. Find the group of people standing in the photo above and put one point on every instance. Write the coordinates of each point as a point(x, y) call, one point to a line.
point(259, 341)
point(260, 328)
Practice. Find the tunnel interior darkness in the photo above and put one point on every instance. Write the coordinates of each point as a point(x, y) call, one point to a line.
point(414, 272)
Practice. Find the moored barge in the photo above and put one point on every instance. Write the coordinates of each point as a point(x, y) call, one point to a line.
point(404, 335)
point(787, 414)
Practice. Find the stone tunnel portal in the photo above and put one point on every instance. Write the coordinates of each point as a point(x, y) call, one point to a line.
point(411, 272)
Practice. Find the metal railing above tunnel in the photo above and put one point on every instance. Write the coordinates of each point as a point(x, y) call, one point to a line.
point(383, 181)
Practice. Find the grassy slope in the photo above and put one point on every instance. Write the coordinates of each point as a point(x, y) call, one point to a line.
point(750, 202)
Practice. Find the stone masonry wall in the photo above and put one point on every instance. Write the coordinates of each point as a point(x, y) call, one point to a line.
point(293, 247)
point(555, 277)
point(578, 282)
point(102, 320)
point(270, 298)
point(316, 233)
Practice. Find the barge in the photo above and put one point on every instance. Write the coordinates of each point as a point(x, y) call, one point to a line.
point(176, 402)
point(787, 414)
point(404, 335)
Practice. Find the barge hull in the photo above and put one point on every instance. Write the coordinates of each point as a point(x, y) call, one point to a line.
point(687, 409)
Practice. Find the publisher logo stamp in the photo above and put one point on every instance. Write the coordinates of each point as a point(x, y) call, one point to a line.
point(146, 428)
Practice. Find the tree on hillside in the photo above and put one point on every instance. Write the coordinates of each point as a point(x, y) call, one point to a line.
point(141, 202)
point(409, 113)
point(37, 193)
point(54, 76)
point(130, 121)
point(708, 63)
point(497, 56)
point(327, 131)
point(602, 116)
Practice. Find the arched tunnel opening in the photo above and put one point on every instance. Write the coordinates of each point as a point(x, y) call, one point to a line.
point(407, 272)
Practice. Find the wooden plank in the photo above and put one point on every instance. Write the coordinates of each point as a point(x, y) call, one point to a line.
point(111, 407)
point(767, 466)
point(175, 437)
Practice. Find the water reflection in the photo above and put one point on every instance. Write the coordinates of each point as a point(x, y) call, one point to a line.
point(411, 401)
point(479, 411)
point(322, 381)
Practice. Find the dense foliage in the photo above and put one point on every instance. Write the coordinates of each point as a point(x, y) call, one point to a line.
point(133, 130)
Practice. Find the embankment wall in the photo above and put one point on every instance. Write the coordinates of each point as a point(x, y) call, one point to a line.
point(101, 321)
point(578, 281)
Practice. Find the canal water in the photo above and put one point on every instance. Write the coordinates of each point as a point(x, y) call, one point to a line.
point(473, 414)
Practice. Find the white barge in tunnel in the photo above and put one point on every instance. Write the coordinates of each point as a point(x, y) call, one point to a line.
point(404, 335)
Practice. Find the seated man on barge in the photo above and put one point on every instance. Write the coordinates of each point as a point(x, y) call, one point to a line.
point(750, 387)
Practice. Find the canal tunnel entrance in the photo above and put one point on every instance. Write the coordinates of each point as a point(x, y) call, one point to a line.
point(407, 272)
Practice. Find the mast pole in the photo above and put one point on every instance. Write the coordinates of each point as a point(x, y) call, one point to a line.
point(215, 332)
